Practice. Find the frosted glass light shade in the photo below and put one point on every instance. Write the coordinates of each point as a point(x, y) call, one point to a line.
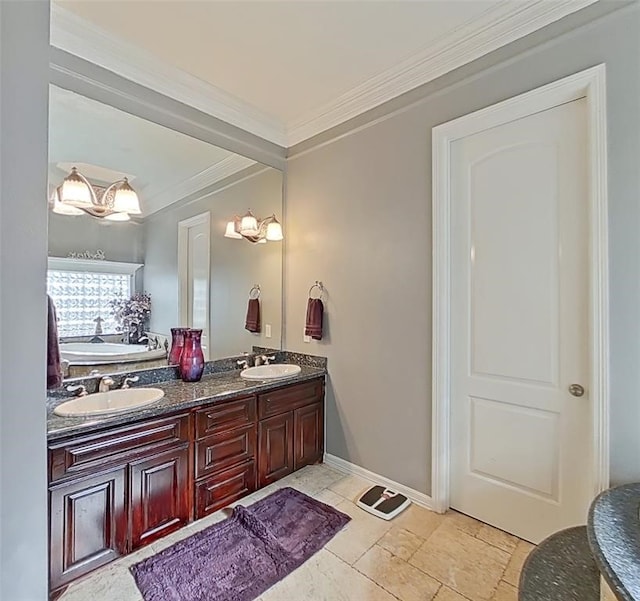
point(75, 191)
point(126, 200)
point(249, 225)
point(274, 231)
point(117, 217)
point(230, 232)
point(64, 209)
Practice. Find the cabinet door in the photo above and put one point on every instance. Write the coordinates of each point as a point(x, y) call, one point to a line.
point(160, 495)
point(308, 426)
point(224, 488)
point(275, 448)
point(88, 526)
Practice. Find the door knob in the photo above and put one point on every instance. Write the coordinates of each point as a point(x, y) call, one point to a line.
point(576, 390)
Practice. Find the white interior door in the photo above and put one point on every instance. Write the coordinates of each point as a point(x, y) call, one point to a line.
point(195, 275)
point(521, 442)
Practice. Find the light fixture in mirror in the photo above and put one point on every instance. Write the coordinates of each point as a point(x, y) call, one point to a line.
point(177, 178)
point(116, 202)
point(63, 209)
point(254, 230)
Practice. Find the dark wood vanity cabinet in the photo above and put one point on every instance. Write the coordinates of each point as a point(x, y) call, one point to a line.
point(225, 452)
point(88, 524)
point(113, 491)
point(159, 493)
point(290, 431)
point(276, 448)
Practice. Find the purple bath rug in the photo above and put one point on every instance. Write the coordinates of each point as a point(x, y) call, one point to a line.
point(241, 557)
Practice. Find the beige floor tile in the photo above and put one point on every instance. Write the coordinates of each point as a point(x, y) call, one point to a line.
point(462, 522)
point(350, 487)
point(498, 538)
point(505, 592)
point(359, 535)
point(329, 497)
point(397, 576)
point(326, 578)
point(512, 573)
point(401, 542)
point(112, 582)
point(446, 594)
point(313, 478)
point(420, 521)
point(466, 564)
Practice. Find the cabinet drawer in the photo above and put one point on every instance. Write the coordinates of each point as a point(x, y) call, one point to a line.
point(225, 449)
point(226, 487)
point(117, 445)
point(287, 399)
point(225, 416)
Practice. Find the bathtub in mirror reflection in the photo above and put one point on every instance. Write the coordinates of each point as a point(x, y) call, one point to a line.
point(176, 251)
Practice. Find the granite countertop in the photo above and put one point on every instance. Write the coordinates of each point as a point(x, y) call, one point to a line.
point(177, 395)
point(614, 538)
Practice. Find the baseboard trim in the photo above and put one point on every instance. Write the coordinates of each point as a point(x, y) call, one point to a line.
point(346, 467)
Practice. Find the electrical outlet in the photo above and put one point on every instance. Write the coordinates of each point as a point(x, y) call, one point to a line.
point(267, 330)
point(305, 338)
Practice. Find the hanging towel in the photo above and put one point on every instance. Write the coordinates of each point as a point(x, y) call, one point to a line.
point(313, 327)
point(54, 368)
point(253, 316)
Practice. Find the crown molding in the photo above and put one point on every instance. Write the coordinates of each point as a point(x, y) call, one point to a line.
point(75, 35)
point(177, 192)
point(496, 27)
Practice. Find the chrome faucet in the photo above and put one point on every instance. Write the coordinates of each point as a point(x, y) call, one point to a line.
point(105, 384)
point(127, 381)
point(264, 359)
point(80, 390)
point(244, 363)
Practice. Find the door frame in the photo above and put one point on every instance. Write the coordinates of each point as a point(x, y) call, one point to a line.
point(183, 279)
point(589, 84)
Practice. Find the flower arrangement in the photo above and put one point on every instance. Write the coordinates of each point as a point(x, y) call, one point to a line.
point(132, 313)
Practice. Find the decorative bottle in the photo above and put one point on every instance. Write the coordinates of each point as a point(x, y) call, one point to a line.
point(192, 359)
point(177, 344)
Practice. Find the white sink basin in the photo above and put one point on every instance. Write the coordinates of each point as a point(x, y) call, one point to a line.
point(105, 403)
point(270, 372)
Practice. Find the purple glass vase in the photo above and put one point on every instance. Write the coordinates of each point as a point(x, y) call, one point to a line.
point(177, 344)
point(192, 359)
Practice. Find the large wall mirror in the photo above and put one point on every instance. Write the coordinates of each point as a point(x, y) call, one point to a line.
point(183, 251)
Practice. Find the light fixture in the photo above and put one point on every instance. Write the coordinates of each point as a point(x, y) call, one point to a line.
point(116, 202)
point(60, 208)
point(254, 230)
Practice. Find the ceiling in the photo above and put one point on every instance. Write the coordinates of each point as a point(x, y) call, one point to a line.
point(295, 68)
point(164, 166)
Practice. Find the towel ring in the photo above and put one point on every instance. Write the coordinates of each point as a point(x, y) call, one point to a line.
point(254, 293)
point(320, 288)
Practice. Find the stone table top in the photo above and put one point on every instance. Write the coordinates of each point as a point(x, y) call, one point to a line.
point(177, 395)
point(614, 538)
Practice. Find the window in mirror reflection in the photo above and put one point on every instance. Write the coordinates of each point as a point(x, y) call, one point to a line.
point(81, 298)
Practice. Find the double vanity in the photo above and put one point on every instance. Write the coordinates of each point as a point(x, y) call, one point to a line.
point(121, 480)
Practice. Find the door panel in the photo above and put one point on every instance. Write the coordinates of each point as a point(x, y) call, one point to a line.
point(308, 426)
point(275, 443)
point(521, 443)
point(160, 496)
point(88, 525)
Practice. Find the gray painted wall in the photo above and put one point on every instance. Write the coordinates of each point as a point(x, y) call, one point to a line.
point(24, 64)
point(368, 197)
point(119, 241)
point(235, 265)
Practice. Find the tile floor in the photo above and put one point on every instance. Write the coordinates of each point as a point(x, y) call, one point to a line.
point(419, 556)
